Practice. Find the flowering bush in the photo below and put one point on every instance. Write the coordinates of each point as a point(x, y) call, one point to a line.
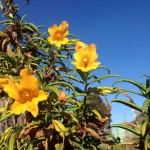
point(45, 102)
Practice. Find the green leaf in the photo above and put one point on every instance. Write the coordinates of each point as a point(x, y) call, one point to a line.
point(131, 91)
point(83, 75)
point(130, 104)
point(5, 21)
point(67, 114)
point(148, 90)
point(92, 76)
point(104, 90)
point(145, 75)
point(70, 96)
point(139, 85)
point(51, 88)
point(72, 116)
point(96, 113)
point(30, 146)
point(103, 67)
point(78, 89)
point(126, 128)
point(103, 77)
point(12, 141)
point(93, 147)
point(31, 25)
point(126, 143)
point(70, 77)
point(39, 39)
point(1, 5)
point(21, 20)
point(61, 56)
point(77, 145)
point(59, 127)
point(64, 83)
point(5, 116)
point(146, 141)
point(144, 127)
point(110, 136)
point(8, 58)
point(145, 105)
point(60, 146)
point(6, 134)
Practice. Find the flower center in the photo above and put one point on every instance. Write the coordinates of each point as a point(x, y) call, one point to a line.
point(85, 61)
point(58, 36)
point(26, 95)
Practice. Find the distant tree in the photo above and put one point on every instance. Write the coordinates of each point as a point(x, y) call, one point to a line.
point(97, 103)
point(139, 118)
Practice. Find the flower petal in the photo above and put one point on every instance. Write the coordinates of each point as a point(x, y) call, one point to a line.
point(3, 82)
point(12, 91)
point(41, 97)
point(53, 29)
point(17, 108)
point(80, 46)
point(64, 26)
point(28, 80)
point(32, 108)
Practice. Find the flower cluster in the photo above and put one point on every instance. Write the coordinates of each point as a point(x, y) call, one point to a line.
point(27, 96)
point(85, 55)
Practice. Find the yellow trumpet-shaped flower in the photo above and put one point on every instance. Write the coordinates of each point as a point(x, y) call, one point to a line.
point(26, 94)
point(85, 57)
point(3, 82)
point(58, 34)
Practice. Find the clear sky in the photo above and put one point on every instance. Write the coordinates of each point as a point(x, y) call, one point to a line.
point(119, 28)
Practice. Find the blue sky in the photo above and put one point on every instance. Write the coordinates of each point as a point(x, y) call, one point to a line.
point(119, 28)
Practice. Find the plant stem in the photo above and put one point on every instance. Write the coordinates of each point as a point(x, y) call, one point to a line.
point(84, 109)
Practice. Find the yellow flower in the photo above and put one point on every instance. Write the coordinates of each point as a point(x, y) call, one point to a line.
point(3, 82)
point(58, 34)
point(85, 57)
point(26, 94)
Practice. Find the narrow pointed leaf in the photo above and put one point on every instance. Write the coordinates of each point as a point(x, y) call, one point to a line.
point(110, 136)
point(126, 143)
point(93, 147)
point(146, 141)
point(6, 116)
point(21, 20)
point(104, 90)
point(103, 67)
point(103, 77)
point(12, 141)
point(130, 104)
point(130, 91)
point(52, 88)
point(96, 113)
point(31, 25)
point(64, 83)
point(145, 105)
point(126, 128)
point(70, 77)
point(144, 127)
point(139, 85)
point(77, 145)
